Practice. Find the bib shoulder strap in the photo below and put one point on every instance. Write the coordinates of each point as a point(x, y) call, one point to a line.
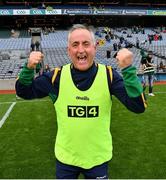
point(110, 72)
point(56, 70)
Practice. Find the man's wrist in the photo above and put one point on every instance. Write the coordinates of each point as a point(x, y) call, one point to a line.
point(26, 76)
point(132, 84)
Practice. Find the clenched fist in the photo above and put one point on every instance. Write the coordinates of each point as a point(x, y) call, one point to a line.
point(124, 58)
point(35, 57)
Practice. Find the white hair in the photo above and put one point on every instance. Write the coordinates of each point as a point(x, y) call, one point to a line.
point(81, 26)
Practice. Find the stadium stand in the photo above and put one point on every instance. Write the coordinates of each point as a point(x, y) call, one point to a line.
point(53, 38)
point(14, 52)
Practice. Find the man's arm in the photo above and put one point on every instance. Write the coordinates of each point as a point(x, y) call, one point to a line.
point(29, 88)
point(135, 104)
point(128, 89)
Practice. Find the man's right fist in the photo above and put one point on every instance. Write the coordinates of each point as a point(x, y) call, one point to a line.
point(35, 58)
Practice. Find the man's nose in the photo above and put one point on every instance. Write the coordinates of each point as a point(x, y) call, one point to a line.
point(81, 48)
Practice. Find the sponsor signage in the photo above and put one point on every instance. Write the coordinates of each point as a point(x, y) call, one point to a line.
point(157, 12)
point(107, 12)
point(83, 111)
point(134, 12)
point(21, 12)
point(37, 12)
point(6, 12)
point(77, 11)
point(54, 11)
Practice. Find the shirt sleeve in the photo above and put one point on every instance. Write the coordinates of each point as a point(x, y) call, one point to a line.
point(132, 84)
point(129, 94)
point(29, 87)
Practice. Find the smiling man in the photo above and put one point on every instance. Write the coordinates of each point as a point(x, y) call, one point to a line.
point(81, 93)
point(81, 48)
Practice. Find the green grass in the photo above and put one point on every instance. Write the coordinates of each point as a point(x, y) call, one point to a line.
point(139, 140)
point(28, 135)
point(27, 142)
point(3, 109)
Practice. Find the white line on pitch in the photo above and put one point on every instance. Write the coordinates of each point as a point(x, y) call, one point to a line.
point(24, 101)
point(7, 114)
point(159, 92)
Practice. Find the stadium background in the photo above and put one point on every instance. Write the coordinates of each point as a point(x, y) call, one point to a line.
point(105, 19)
point(27, 139)
point(21, 15)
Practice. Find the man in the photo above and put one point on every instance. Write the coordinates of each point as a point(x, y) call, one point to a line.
point(81, 93)
point(32, 46)
point(37, 44)
point(148, 72)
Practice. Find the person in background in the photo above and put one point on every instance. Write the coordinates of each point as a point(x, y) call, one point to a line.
point(148, 71)
point(37, 44)
point(162, 66)
point(83, 141)
point(137, 42)
point(32, 46)
point(47, 68)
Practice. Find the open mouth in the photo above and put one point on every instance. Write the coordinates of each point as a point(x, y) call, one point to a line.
point(82, 58)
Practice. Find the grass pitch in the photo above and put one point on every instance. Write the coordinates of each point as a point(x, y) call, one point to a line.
point(27, 139)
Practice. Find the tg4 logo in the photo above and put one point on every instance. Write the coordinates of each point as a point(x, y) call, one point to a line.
point(83, 111)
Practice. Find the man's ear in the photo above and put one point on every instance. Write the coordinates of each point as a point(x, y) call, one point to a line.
point(68, 51)
point(95, 46)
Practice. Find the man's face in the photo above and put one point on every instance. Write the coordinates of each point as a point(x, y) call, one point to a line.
point(81, 49)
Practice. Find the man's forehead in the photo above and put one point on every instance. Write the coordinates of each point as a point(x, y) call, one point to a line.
point(80, 35)
point(78, 32)
point(80, 38)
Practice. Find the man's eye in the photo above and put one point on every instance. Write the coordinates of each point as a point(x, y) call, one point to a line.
point(86, 44)
point(74, 45)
